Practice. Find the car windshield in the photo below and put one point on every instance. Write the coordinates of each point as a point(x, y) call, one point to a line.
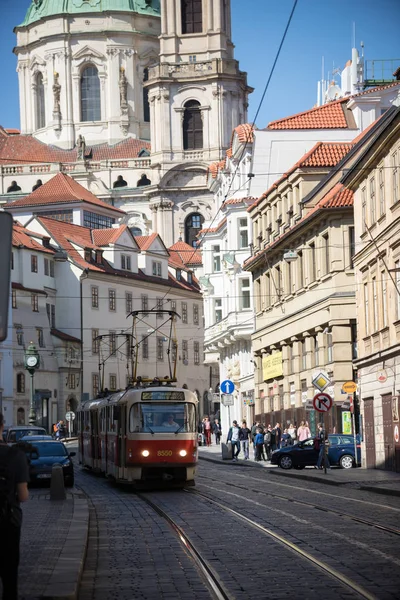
point(16, 434)
point(50, 449)
point(162, 418)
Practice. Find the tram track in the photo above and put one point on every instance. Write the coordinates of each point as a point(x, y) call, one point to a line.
point(340, 513)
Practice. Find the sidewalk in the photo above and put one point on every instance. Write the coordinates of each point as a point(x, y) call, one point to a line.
point(53, 545)
point(371, 480)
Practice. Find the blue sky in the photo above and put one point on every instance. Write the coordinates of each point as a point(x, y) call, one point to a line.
point(319, 28)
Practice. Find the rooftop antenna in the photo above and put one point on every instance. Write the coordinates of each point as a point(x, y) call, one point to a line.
point(354, 34)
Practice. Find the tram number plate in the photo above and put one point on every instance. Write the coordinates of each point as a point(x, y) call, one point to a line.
point(164, 453)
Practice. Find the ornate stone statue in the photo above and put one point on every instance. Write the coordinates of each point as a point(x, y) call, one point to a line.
point(81, 146)
point(123, 90)
point(56, 94)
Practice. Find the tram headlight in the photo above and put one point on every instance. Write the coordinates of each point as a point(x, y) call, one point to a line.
point(182, 452)
point(145, 453)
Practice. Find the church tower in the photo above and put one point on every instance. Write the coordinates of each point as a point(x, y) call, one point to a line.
point(197, 96)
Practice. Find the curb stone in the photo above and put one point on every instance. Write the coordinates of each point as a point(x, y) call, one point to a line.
point(65, 579)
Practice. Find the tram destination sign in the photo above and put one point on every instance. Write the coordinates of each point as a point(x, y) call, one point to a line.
point(167, 395)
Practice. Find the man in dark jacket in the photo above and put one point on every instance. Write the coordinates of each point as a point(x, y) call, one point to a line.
point(233, 437)
point(217, 431)
point(244, 437)
point(14, 477)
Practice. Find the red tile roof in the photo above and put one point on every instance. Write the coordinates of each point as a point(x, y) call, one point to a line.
point(12, 131)
point(247, 201)
point(187, 254)
point(22, 237)
point(104, 237)
point(213, 229)
point(64, 336)
point(377, 89)
point(19, 149)
point(61, 189)
point(145, 241)
point(245, 133)
point(327, 116)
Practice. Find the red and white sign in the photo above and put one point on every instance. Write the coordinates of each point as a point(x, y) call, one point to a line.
point(322, 402)
point(396, 434)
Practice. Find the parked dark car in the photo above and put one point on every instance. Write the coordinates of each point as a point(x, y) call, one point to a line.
point(16, 432)
point(35, 438)
point(43, 455)
point(305, 454)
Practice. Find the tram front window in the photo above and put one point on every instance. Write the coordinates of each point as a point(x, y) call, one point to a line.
point(162, 418)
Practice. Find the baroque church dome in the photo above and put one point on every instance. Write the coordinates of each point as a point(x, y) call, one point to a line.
point(40, 9)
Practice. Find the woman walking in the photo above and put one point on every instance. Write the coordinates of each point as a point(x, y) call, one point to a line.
point(303, 432)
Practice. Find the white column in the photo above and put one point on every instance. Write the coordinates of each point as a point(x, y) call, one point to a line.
point(217, 15)
point(164, 23)
point(210, 15)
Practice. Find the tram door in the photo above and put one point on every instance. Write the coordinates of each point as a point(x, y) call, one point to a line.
point(122, 425)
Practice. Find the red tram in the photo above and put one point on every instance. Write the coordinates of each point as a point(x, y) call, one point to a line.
point(141, 435)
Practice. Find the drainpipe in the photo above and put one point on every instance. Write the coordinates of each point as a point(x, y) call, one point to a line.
point(84, 276)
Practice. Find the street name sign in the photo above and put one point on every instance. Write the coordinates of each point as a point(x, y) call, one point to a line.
point(227, 399)
point(227, 387)
point(322, 402)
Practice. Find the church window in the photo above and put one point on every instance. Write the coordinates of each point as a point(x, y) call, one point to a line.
point(146, 105)
point(193, 224)
point(192, 17)
point(192, 126)
point(40, 102)
point(90, 95)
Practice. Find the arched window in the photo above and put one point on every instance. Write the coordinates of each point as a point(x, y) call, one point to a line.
point(193, 224)
point(135, 231)
point(20, 383)
point(40, 102)
point(146, 105)
point(21, 416)
point(192, 16)
point(192, 126)
point(90, 95)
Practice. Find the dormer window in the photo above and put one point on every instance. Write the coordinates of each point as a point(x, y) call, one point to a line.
point(157, 269)
point(190, 277)
point(99, 257)
point(179, 275)
point(88, 255)
point(126, 262)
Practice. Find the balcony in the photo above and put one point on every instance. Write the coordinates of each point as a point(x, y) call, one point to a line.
point(194, 69)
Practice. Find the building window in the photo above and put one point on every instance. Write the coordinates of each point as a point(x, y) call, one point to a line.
point(35, 302)
point(216, 251)
point(352, 246)
point(192, 126)
point(90, 95)
point(59, 215)
point(381, 192)
point(185, 352)
point(40, 102)
point(145, 346)
point(52, 316)
point(395, 171)
point(157, 268)
point(193, 224)
point(218, 310)
point(71, 381)
point(329, 348)
point(366, 307)
point(40, 338)
point(327, 258)
point(354, 353)
point(384, 300)
point(160, 349)
point(95, 221)
point(146, 105)
point(95, 385)
point(196, 352)
point(179, 275)
point(173, 305)
point(281, 398)
point(397, 266)
point(195, 314)
point(128, 302)
point(145, 304)
point(113, 383)
point(14, 298)
point(184, 312)
point(46, 266)
point(113, 343)
point(51, 268)
point(34, 263)
point(20, 335)
point(375, 305)
point(95, 297)
point(313, 271)
point(303, 355)
point(301, 269)
point(159, 307)
point(364, 209)
point(95, 341)
point(316, 352)
point(125, 262)
point(192, 17)
point(112, 300)
point(243, 233)
point(372, 200)
point(244, 293)
point(21, 383)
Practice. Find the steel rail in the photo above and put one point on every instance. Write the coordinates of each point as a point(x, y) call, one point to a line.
point(341, 513)
point(346, 581)
point(217, 588)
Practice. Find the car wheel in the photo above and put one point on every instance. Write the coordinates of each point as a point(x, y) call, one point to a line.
point(346, 461)
point(286, 462)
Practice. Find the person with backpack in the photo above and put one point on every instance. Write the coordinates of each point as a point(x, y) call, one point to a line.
point(14, 477)
point(267, 442)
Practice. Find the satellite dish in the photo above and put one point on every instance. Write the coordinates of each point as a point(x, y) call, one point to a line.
point(333, 93)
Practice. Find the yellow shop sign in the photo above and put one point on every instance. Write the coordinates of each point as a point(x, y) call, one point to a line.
point(272, 366)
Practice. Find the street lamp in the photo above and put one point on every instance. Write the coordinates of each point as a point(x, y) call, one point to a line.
point(32, 362)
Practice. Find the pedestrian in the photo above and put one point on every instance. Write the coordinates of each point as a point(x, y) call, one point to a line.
point(253, 435)
point(303, 432)
point(292, 432)
point(14, 477)
point(278, 435)
point(259, 443)
point(207, 431)
point(233, 437)
point(286, 439)
point(267, 442)
point(244, 437)
point(217, 431)
point(323, 459)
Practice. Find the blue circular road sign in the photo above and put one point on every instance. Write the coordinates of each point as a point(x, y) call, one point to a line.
point(227, 387)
